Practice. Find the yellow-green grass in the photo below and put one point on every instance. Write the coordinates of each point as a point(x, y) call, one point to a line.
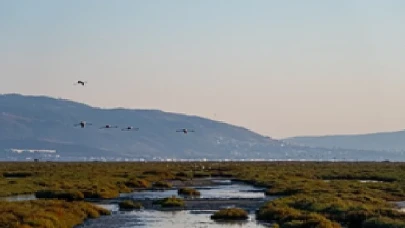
point(47, 213)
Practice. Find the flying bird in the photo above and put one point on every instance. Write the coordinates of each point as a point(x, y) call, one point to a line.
point(82, 124)
point(108, 126)
point(184, 130)
point(80, 83)
point(130, 128)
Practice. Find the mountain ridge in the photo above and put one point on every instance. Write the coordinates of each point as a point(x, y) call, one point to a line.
point(23, 117)
point(43, 122)
point(376, 141)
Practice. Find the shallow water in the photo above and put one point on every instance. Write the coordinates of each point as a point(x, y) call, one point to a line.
point(176, 219)
point(169, 219)
point(19, 198)
point(361, 181)
point(166, 219)
point(218, 191)
point(370, 181)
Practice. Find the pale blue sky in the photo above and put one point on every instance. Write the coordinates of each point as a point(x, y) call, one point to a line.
point(281, 68)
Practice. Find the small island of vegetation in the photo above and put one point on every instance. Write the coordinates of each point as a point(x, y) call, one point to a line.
point(129, 205)
point(171, 202)
point(230, 214)
point(188, 192)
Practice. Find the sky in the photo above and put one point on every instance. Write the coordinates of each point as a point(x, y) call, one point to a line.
point(279, 68)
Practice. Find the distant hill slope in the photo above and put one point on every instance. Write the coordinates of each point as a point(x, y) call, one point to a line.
point(385, 141)
point(38, 122)
point(47, 123)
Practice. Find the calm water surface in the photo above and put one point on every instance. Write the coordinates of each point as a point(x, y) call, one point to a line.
point(176, 219)
point(19, 198)
point(169, 219)
point(165, 219)
point(219, 191)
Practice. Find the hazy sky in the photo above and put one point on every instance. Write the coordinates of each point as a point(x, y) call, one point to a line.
point(281, 68)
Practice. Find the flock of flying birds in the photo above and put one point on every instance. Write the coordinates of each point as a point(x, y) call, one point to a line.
point(83, 124)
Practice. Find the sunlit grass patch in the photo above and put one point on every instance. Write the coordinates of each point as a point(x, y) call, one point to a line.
point(47, 213)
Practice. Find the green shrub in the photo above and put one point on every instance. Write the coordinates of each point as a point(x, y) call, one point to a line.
point(188, 192)
point(129, 204)
point(230, 214)
point(172, 202)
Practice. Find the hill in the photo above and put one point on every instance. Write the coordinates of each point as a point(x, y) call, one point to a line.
point(44, 123)
point(384, 141)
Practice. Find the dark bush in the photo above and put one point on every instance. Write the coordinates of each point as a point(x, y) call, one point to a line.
point(383, 222)
point(100, 193)
point(162, 184)
point(137, 183)
point(182, 174)
point(201, 174)
point(17, 174)
point(70, 195)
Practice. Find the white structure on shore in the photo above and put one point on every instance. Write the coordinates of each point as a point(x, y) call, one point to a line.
point(19, 151)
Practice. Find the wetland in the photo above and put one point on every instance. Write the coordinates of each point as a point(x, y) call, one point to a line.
point(274, 194)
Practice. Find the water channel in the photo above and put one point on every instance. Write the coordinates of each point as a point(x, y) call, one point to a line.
point(183, 218)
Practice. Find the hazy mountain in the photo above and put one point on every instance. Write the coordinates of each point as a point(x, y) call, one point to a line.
point(385, 141)
point(37, 122)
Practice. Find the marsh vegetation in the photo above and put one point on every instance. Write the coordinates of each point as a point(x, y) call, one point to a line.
point(129, 205)
point(47, 213)
point(230, 214)
point(313, 194)
point(188, 192)
point(171, 202)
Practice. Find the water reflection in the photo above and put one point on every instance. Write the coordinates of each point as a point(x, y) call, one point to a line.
point(171, 219)
point(220, 191)
point(19, 198)
point(177, 219)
